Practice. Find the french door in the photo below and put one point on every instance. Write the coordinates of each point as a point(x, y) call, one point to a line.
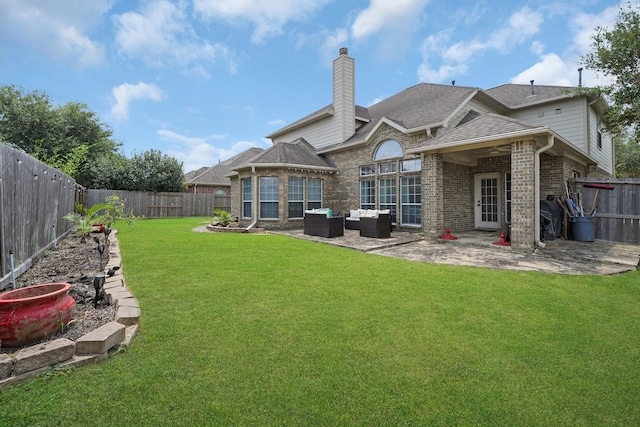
point(487, 201)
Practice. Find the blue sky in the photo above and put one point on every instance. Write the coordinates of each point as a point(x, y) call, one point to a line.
point(202, 80)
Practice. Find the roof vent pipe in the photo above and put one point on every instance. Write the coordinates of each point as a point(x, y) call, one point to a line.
point(580, 77)
point(453, 82)
point(533, 91)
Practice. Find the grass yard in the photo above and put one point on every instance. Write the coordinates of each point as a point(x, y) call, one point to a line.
point(241, 329)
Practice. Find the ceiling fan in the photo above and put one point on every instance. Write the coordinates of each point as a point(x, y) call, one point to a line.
point(499, 149)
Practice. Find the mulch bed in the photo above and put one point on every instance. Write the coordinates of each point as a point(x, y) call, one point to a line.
point(75, 263)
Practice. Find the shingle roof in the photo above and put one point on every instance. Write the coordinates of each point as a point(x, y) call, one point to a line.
point(192, 174)
point(485, 126)
point(517, 96)
point(422, 104)
point(298, 152)
point(216, 175)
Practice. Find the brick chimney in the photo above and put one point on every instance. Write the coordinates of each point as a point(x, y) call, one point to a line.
point(344, 103)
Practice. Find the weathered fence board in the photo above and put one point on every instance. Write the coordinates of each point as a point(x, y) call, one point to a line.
point(33, 199)
point(617, 211)
point(163, 205)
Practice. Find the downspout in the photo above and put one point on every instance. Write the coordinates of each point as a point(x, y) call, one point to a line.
point(550, 142)
point(254, 198)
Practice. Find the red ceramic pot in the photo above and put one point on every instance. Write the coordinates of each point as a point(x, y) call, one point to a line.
point(28, 314)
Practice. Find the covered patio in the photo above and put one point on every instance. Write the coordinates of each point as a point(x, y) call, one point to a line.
point(476, 248)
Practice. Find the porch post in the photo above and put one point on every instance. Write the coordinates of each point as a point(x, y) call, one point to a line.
point(523, 196)
point(433, 196)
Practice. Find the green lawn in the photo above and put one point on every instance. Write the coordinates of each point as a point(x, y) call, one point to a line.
point(240, 329)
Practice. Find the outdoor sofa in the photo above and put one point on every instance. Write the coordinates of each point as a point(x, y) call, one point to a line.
point(322, 223)
point(370, 222)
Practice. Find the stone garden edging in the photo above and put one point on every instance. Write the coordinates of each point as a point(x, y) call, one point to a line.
point(92, 347)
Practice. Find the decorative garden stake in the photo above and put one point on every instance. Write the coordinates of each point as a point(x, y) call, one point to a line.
point(98, 285)
point(107, 231)
point(100, 251)
point(13, 272)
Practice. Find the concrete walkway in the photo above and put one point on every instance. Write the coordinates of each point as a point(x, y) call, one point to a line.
point(476, 248)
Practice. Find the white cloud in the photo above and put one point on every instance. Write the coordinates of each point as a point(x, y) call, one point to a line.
point(268, 16)
point(394, 21)
point(441, 74)
point(332, 43)
point(196, 152)
point(551, 70)
point(453, 59)
point(584, 25)
point(382, 14)
point(159, 34)
point(522, 25)
point(58, 29)
point(127, 92)
point(431, 48)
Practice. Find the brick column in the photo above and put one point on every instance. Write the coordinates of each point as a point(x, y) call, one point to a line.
point(523, 196)
point(433, 196)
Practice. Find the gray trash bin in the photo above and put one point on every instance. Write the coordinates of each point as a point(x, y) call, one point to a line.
point(582, 228)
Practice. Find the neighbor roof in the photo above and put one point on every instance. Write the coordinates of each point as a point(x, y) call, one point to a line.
point(217, 175)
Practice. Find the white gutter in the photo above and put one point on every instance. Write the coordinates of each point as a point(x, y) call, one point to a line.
point(550, 142)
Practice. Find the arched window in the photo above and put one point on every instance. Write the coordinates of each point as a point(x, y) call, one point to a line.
point(220, 192)
point(388, 150)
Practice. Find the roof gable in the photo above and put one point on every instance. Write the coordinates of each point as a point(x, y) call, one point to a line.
point(421, 105)
point(484, 127)
point(282, 154)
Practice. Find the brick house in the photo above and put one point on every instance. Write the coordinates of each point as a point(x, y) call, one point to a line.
point(437, 156)
point(214, 179)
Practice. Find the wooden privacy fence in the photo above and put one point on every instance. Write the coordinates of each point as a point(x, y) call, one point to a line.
point(617, 210)
point(163, 205)
point(33, 199)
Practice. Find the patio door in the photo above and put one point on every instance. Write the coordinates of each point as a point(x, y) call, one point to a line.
point(487, 201)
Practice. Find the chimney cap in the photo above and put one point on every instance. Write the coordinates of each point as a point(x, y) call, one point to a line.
point(344, 51)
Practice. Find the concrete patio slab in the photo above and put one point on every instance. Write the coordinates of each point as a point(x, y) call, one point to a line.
point(476, 248)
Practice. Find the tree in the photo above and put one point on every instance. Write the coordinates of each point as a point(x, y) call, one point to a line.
point(616, 54)
point(627, 157)
point(149, 171)
point(69, 137)
point(154, 171)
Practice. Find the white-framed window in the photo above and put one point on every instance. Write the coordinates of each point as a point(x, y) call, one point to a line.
point(269, 197)
point(387, 168)
point(389, 149)
point(411, 200)
point(413, 165)
point(246, 198)
point(387, 195)
point(296, 197)
point(368, 194)
point(367, 170)
point(599, 140)
point(314, 193)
